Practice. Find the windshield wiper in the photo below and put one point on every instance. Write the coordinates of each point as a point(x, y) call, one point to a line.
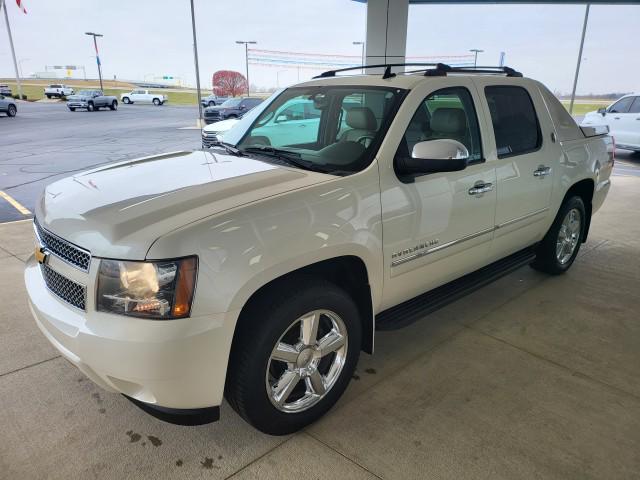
point(292, 158)
point(229, 148)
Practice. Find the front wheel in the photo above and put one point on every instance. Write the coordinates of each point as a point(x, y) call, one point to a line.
point(212, 103)
point(156, 101)
point(126, 100)
point(114, 105)
point(72, 109)
point(561, 244)
point(90, 107)
point(293, 355)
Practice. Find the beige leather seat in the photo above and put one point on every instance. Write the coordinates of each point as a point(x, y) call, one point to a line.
point(449, 123)
point(362, 123)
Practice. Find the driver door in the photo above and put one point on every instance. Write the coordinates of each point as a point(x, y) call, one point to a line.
point(437, 226)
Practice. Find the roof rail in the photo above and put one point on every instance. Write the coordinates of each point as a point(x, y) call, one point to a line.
point(439, 70)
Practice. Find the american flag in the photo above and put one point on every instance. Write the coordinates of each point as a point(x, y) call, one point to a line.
point(20, 4)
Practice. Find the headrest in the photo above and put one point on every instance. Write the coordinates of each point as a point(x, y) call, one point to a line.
point(361, 118)
point(448, 120)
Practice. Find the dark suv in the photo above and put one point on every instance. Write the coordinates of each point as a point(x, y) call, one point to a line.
point(232, 108)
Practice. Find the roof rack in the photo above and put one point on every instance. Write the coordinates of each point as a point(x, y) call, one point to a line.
point(439, 70)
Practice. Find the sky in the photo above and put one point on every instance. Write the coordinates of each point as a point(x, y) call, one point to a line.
point(144, 39)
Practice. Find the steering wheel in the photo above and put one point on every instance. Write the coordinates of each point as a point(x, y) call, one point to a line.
point(365, 140)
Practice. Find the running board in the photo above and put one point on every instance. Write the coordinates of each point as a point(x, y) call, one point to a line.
point(416, 308)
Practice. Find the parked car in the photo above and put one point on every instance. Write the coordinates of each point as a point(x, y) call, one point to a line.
point(5, 90)
point(91, 100)
point(259, 269)
point(623, 120)
point(58, 90)
point(8, 106)
point(232, 108)
point(213, 100)
point(143, 96)
point(213, 133)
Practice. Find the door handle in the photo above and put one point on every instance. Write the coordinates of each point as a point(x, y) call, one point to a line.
point(480, 188)
point(616, 118)
point(542, 171)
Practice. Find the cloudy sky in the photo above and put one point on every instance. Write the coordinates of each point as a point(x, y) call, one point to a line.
point(146, 39)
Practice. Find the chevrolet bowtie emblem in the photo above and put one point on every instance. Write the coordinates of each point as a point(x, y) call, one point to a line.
point(42, 256)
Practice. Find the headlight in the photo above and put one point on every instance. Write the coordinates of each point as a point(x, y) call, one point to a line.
point(160, 289)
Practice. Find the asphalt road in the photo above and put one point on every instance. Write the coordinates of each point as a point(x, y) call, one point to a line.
point(46, 142)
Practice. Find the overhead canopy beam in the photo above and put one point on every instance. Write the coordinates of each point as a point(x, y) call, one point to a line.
point(386, 31)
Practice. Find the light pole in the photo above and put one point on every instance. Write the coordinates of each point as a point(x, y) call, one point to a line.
point(195, 57)
point(361, 43)
point(246, 57)
point(95, 44)
point(476, 51)
point(278, 77)
point(20, 65)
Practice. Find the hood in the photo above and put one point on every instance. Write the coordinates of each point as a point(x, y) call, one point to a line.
point(222, 126)
point(78, 97)
point(119, 210)
point(216, 108)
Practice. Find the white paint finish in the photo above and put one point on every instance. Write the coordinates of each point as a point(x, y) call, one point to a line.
point(143, 96)
point(624, 127)
point(386, 31)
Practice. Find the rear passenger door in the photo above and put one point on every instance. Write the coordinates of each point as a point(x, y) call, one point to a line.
point(629, 125)
point(525, 153)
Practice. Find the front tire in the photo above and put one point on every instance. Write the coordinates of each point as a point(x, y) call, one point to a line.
point(561, 244)
point(114, 105)
point(126, 100)
point(293, 355)
point(72, 109)
point(212, 103)
point(156, 102)
point(90, 107)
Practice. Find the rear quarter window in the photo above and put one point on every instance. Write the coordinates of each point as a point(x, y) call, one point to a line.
point(566, 126)
point(514, 119)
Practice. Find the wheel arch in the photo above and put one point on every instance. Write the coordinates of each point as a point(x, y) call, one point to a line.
point(348, 272)
point(583, 189)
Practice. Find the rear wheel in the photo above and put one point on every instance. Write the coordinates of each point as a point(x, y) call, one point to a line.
point(561, 244)
point(114, 105)
point(49, 97)
point(12, 110)
point(293, 355)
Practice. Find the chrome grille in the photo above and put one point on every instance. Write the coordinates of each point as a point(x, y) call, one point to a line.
point(76, 256)
point(71, 292)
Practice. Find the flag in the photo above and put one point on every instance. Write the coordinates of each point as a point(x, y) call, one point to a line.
point(20, 4)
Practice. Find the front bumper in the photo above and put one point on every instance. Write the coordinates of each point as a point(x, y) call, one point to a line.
point(167, 365)
point(77, 104)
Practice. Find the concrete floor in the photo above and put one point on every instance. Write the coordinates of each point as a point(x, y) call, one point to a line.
point(530, 377)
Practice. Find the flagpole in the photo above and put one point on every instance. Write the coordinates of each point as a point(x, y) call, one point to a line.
point(13, 52)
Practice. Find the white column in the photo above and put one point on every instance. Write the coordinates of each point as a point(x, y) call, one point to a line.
point(386, 31)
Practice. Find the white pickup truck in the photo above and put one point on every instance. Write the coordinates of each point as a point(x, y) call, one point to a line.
point(58, 90)
point(143, 96)
point(623, 120)
point(259, 269)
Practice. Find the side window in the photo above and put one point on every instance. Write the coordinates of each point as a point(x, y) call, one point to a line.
point(294, 112)
point(621, 106)
point(514, 119)
point(635, 106)
point(445, 114)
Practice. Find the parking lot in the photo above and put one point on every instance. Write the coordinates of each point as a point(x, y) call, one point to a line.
point(530, 377)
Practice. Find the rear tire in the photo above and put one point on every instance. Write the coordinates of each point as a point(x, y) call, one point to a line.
point(561, 244)
point(114, 105)
point(49, 97)
point(275, 320)
point(11, 111)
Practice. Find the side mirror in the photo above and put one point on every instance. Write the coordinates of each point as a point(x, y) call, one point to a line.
point(242, 107)
point(281, 118)
point(602, 111)
point(442, 155)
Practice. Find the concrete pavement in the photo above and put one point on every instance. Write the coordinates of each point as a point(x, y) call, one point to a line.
point(530, 377)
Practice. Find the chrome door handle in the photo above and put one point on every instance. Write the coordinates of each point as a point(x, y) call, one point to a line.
point(542, 171)
point(479, 188)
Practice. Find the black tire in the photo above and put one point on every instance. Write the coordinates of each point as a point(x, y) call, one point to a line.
point(11, 111)
point(114, 105)
point(90, 107)
point(126, 100)
point(212, 103)
point(73, 109)
point(261, 326)
point(547, 260)
point(157, 102)
point(49, 97)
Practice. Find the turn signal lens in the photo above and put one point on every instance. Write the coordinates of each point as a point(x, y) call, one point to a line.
point(159, 289)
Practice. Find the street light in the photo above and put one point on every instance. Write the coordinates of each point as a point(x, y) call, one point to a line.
point(475, 59)
point(361, 43)
point(246, 57)
point(20, 65)
point(95, 44)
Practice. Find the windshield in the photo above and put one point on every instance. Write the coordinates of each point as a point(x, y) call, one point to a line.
point(331, 128)
point(232, 102)
point(235, 134)
point(87, 93)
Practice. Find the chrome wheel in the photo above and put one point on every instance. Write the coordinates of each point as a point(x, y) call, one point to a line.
point(568, 236)
point(306, 361)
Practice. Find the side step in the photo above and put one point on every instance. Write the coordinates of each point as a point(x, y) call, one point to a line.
point(414, 309)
